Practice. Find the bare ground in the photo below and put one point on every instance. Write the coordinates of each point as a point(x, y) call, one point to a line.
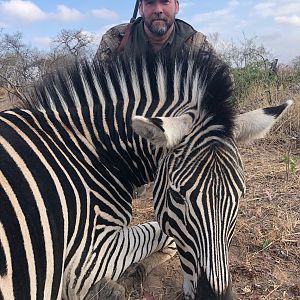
point(265, 251)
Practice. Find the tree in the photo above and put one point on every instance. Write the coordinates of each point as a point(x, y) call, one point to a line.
point(66, 48)
point(19, 64)
point(74, 42)
point(245, 52)
point(251, 64)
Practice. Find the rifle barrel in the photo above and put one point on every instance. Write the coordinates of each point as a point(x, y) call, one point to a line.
point(135, 11)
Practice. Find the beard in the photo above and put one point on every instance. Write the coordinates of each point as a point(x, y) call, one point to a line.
point(160, 27)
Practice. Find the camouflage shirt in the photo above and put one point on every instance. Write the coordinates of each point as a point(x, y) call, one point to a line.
point(184, 35)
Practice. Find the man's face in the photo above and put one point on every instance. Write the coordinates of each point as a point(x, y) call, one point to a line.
point(159, 15)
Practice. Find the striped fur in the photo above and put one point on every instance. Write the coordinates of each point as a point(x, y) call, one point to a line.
point(70, 160)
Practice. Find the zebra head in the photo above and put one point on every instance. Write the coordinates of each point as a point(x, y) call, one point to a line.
point(200, 177)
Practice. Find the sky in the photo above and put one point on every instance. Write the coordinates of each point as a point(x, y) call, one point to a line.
point(273, 23)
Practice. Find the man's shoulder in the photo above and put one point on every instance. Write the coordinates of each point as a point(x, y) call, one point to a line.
point(187, 31)
point(199, 41)
point(184, 29)
point(114, 35)
point(194, 38)
point(117, 30)
point(111, 40)
point(198, 38)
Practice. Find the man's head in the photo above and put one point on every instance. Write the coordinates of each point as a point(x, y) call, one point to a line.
point(159, 15)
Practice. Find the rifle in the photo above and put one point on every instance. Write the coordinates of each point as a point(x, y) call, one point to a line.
point(128, 28)
point(135, 11)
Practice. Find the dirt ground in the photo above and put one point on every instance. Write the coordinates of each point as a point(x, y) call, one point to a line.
point(265, 251)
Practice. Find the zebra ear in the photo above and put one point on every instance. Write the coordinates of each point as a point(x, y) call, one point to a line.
point(164, 131)
point(257, 123)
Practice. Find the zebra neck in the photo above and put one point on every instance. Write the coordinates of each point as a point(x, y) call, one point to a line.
point(109, 138)
point(133, 159)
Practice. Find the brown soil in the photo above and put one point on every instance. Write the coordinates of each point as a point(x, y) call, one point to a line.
point(265, 251)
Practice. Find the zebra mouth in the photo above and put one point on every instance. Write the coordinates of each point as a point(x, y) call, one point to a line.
point(205, 292)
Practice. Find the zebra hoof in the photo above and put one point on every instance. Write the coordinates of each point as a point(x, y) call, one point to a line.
point(106, 289)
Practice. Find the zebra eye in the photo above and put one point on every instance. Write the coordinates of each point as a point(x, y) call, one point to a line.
point(177, 196)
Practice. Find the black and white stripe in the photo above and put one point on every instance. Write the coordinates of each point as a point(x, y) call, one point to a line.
point(69, 163)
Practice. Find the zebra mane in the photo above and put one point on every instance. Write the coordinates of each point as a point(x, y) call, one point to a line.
point(148, 85)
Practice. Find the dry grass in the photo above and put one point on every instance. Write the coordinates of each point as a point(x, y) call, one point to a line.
point(259, 97)
point(267, 238)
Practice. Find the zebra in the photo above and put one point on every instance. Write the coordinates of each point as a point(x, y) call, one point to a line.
point(71, 158)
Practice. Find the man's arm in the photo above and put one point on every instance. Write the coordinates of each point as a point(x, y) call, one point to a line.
point(110, 42)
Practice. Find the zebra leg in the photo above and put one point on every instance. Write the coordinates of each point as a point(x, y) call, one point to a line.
point(106, 289)
point(135, 275)
point(140, 260)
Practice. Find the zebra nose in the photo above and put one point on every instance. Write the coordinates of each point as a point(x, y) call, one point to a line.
point(205, 292)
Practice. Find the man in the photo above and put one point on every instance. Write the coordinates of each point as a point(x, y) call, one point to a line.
point(157, 29)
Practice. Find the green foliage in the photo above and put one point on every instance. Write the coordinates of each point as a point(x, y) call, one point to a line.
point(259, 79)
point(253, 74)
point(296, 69)
point(266, 244)
point(296, 63)
point(291, 162)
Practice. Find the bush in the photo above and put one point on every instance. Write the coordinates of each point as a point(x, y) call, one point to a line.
point(255, 74)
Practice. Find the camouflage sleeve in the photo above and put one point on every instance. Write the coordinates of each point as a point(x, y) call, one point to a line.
point(199, 40)
point(110, 42)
